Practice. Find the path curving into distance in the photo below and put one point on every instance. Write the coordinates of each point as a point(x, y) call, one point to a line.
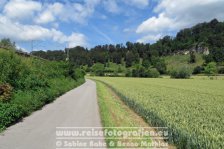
point(76, 108)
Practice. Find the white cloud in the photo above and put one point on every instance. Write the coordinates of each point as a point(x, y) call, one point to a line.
point(116, 6)
point(20, 32)
point(16, 11)
point(111, 6)
point(45, 17)
point(21, 9)
point(58, 36)
point(78, 12)
point(50, 13)
point(156, 24)
point(150, 38)
point(177, 14)
point(76, 39)
point(128, 30)
point(137, 3)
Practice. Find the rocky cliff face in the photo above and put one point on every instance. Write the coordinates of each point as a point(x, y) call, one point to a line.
point(199, 48)
point(202, 50)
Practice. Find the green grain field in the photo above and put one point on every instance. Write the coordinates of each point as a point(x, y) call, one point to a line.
point(193, 109)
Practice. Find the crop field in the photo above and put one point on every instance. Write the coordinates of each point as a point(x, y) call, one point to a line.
point(192, 109)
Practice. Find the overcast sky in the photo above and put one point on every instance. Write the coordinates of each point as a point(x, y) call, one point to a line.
point(55, 24)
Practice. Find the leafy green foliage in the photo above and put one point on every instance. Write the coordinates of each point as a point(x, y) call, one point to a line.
point(143, 72)
point(146, 63)
point(98, 69)
point(181, 73)
point(192, 57)
point(27, 84)
point(159, 64)
point(9, 113)
point(221, 70)
point(216, 55)
point(11, 68)
point(131, 58)
point(128, 73)
point(198, 70)
point(7, 44)
point(78, 73)
point(152, 73)
point(211, 69)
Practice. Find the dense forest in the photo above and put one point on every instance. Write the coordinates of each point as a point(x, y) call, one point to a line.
point(135, 59)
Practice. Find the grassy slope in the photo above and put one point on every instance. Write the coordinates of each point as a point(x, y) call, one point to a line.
point(36, 83)
point(177, 61)
point(192, 109)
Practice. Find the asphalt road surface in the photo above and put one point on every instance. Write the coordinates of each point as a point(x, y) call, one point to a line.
point(76, 108)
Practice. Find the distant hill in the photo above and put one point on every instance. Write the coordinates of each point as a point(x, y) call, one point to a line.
point(202, 38)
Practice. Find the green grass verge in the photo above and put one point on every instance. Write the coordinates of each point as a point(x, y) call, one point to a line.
point(114, 113)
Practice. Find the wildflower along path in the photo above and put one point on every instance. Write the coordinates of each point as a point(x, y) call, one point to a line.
point(77, 108)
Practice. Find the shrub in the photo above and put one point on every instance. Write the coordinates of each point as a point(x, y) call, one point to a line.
point(152, 73)
point(78, 73)
point(138, 71)
point(181, 73)
point(32, 81)
point(146, 63)
point(128, 73)
point(11, 67)
point(192, 57)
point(9, 113)
point(198, 70)
point(221, 70)
point(211, 69)
point(145, 73)
point(135, 73)
point(98, 69)
point(208, 58)
point(159, 64)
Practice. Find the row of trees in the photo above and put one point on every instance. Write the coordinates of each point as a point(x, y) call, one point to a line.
point(203, 35)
